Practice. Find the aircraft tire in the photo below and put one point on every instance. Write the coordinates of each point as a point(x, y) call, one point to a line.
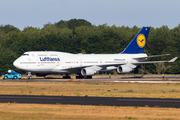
point(66, 77)
point(79, 77)
point(88, 77)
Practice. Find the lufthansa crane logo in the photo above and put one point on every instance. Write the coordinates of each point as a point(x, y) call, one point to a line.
point(141, 40)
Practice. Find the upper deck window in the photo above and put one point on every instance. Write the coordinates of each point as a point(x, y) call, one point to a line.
point(42, 55)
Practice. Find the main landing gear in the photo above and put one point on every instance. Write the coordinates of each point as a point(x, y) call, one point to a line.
point(67, 77)
point(80, 77)
point(83, 77)
point(77, 77)
point(88, 77)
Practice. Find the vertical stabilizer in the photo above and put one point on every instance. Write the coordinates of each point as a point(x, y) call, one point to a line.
point(137, 45)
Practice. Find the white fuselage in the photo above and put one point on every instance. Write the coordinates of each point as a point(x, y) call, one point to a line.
point(61, 62)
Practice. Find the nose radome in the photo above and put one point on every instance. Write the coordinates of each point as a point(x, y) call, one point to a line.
point(16, 63)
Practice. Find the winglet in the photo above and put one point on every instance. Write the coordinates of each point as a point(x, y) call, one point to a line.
point(172, 60)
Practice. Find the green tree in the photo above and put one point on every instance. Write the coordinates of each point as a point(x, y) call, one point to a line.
point(161, 68)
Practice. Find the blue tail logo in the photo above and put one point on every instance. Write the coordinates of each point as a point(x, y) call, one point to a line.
point(138, 44)
point(141, 40)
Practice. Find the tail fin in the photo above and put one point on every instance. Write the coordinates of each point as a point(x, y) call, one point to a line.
point(137, 45)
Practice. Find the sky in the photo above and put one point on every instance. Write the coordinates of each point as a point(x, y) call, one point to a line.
point(37, 13)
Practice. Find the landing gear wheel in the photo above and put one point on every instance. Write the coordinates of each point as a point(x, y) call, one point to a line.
point(79, 77)
point(88, 77)
point(66, 77)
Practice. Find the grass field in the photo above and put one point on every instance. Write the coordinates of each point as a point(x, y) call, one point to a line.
point(91, 89)
point(15, 111)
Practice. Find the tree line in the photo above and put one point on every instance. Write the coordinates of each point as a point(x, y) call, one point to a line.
point(80, 36)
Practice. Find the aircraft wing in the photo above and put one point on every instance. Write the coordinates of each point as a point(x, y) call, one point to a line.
point(112, 64)
point(172, 60)
point(95, 67)
point(84, 66)
point(73, 67)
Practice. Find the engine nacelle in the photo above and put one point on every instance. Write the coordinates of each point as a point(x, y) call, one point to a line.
point(87, 72)
point(124, 69)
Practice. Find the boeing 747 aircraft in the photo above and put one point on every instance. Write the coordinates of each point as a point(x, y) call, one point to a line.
point(86, 65)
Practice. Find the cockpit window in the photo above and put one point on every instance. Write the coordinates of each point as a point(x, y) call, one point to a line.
point(25, 54)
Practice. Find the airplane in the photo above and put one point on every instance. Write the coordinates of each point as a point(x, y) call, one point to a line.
point(86, 65)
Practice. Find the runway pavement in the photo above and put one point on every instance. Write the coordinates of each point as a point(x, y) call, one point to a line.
point(107, 101)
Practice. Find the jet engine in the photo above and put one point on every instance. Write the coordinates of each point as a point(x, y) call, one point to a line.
point(87, 72)
point(124, 69)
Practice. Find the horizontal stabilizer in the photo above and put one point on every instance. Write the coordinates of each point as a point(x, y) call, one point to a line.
point(172, 60)
point(152, 56)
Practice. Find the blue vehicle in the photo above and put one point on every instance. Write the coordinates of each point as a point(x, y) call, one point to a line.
point(12, 75)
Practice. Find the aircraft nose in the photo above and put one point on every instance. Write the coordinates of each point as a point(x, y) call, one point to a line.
point(16, 63)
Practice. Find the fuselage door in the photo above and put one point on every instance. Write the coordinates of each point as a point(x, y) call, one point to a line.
point(57, 63)
point(80, 62)
point(100, 61)
point(38, 61)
